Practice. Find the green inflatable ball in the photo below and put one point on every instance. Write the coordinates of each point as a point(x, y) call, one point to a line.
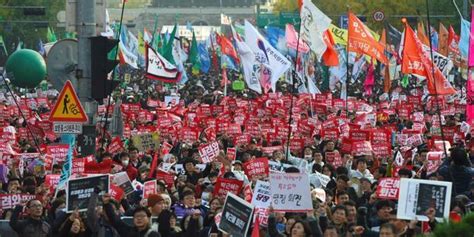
point(26, 68)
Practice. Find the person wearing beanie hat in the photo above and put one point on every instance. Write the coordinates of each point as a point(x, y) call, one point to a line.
point(155, 203)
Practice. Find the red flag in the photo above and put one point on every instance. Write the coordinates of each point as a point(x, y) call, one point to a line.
point(361, 41)
point(226, 47)
point(154, 164)
point(453, 47)
point(256, 228)
point(416, 61)
point(330, 57)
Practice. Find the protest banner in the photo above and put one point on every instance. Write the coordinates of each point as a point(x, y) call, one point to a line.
point(388, 188)
point(261, 195)
point(418, 195)
point(146, 141)
point(149, 187)
point(123, 181)
point(9, 201)
point(236, 216)
point(256, 168)
point(208, 152)
point(290, 192)
point(79, 191)
point(224, 186)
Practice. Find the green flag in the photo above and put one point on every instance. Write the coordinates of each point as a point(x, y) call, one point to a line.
point(158, 44)
point(168, 48)
point(2, 45)
point(194, 58)
point(51, 36)
point(69, 35)
point(405, 81)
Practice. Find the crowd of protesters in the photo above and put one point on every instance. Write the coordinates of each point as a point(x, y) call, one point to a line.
point(187, 207)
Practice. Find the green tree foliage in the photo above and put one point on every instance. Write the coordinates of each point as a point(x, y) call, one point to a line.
point(30, 33)
point(393, 10)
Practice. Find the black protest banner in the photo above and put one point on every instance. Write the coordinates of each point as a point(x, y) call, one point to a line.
point(236, 216)
point(80, 190)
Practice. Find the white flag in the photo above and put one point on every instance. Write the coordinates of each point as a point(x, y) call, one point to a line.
point(129, 57)
point(313, 25)
point(158, 68)
point(249, 63)
point(266, 54)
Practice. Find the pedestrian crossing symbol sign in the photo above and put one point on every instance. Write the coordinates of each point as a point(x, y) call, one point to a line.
point(68, 108)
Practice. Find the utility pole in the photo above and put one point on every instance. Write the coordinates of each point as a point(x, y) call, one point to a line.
point(86, 27)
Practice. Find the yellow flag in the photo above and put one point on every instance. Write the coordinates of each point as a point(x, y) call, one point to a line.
point(141, 44)
point(340, 35)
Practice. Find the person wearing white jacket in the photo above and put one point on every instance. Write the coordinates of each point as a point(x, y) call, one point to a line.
point(361, 171)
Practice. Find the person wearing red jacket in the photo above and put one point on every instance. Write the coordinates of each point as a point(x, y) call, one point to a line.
point(127, 166)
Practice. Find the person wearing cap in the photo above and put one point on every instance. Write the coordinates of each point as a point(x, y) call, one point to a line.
point(155, 203)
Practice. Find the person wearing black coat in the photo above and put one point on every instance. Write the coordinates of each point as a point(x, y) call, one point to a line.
point(141, 221)
point(34, 225)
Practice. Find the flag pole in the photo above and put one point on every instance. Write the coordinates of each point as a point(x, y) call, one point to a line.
point(348, 76)
point(107, 110)
point(433, 75)
point(293, 89)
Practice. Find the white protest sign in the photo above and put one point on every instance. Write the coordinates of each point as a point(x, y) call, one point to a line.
point(261, 194)
point(290, 192)
point(319, 180)
point(418, 195)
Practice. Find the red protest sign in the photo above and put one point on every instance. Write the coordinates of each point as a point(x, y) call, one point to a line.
point(380, 136)
point(334, 158)
point(58, 152)
point(78, 165)
point(209, 152)
point(388, 188)
point(166, 177)
point(382, 150)
point(360, 148)
point(51, 180)
point(224, 186)
point(330, 134)
point(256, 168)
point(149, 187)
point(434, 161)
point(116, 192)
point(115, 146)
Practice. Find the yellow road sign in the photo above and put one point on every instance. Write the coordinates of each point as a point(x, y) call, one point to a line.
point(68, 108)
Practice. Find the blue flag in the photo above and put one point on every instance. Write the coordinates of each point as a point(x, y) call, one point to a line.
point(228, 62)
point(67, 167)
point(464, 41)
point(41, 49)
point(274, 34)
point(205, 58)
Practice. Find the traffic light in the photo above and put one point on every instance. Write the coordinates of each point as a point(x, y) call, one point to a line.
point(101, 66)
